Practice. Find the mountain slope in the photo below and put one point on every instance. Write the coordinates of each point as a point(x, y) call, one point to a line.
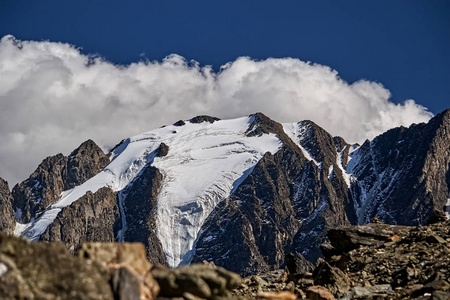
point(241, 192)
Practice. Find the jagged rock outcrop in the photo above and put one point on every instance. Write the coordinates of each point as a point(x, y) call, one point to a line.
point(277, 207)
point(201, 119)
point(415, 264)
point(403, 174)
point(140, 201)
point(283, 201)
point(55, 175)
point(41, 189)
point(297, 264)
point(7, 218)
point(410, 265)
point(94, 217)
point(84, 162)
point(347, 238)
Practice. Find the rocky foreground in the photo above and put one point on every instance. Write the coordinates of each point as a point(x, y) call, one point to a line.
point(372, 261)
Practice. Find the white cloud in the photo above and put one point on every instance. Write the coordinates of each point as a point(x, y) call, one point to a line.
point(53, 98)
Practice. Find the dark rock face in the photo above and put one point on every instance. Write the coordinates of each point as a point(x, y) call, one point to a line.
point(42, 188)
point(47, 271)
point(55, 175)
point(94, 217)
point(403, 174)
point(347, 238)
point(7, 218)
point(201, 119)
point(140, 210)
point(297, 264)
point(276, 209)
point(287, 203)
point(163, 150)
point(331, 277)
point(85, 162)
point(179, 123)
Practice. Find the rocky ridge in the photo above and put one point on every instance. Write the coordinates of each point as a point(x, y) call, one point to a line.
point(372, 261)
point(53, 176)
point(286, 202)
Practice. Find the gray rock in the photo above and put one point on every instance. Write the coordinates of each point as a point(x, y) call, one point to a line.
point(369, 292)
point(330, 277)
point(94, 217)
point(55, 175)
point(7, 218)
point(347, 238)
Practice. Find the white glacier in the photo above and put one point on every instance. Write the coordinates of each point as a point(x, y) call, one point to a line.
point(202, 167)
point(205, 163)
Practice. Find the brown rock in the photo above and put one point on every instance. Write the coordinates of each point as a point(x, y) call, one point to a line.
point(93, 217)
point(332, 278)
point(200, 280)
point(286, 295)
point(47, 271)
point(127, 264)
point(318, 292)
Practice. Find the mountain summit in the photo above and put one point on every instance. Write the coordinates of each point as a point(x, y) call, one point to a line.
point(241, 192)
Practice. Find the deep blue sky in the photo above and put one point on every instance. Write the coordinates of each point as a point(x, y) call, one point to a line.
point(405, 45)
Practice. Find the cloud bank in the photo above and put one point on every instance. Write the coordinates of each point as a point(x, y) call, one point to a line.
point(53, 98)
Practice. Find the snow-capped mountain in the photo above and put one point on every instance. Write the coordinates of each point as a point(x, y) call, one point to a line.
point(241, 192)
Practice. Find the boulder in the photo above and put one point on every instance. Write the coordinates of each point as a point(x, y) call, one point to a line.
point(127, 265)
point(318, 292)
point(331, 277)
point(347, 238)
point(298, 264)
point(200, 280)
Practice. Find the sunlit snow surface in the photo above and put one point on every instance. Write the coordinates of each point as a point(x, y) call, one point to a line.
point(204, 164)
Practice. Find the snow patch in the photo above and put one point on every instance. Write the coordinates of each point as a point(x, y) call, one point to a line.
point(447, 208)
point(297, 133)
point(330, 172)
